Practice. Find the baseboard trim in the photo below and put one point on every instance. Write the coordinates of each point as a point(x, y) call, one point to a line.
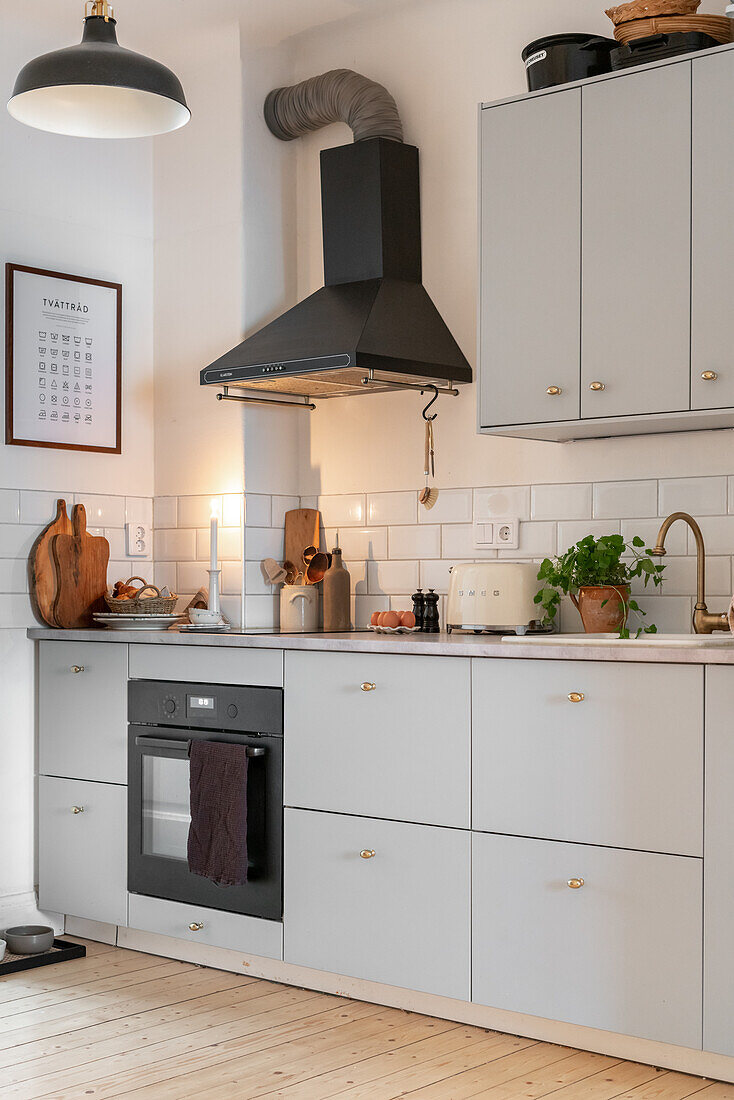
point(680, 1059)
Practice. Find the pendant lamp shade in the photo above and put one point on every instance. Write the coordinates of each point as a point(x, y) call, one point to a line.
point(99, 89)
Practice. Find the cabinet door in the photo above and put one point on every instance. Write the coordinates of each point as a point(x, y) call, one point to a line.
point(82, 710)
point(401, 916)
point(620, 949)
point(400, 749)
point(610, 768)
point(712, 321)
point(718, 984)
point(636, 202)
point(82, 849)
point(530, 228)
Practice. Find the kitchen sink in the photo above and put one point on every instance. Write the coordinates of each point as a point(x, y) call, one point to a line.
point(680, 640)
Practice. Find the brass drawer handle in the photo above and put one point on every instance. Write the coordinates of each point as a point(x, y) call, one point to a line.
point(576, 696)
point(367, 853)
point(597, 387)
point(77, 809)
point(575, 883)
point(196, 926)
point(554, 391)
point(77, 668)
point(709, 376)
point(368, 687)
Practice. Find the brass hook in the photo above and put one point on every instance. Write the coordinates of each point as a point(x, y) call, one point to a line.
point(434, 398)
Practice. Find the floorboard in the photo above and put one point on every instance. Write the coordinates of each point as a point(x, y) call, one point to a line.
point(122, 1025)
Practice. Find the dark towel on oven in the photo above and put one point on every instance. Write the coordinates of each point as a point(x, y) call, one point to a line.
point(217, 846)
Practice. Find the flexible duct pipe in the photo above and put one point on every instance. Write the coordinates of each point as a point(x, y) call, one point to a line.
point(337, 96)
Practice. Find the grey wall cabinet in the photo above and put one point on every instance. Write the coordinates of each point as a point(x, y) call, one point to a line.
point(607, 255)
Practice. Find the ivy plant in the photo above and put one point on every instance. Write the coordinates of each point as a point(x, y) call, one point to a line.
point(607, 560)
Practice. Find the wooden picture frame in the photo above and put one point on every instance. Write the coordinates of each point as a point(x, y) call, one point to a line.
point(90, 418)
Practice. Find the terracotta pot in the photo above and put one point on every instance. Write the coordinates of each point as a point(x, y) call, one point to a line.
point(598, 619)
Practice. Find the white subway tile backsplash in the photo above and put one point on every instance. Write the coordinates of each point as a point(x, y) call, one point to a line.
point(102, 511)
point(281, 505)
point(13, 575)
point(560, 502)
point(392, 508)
point(174, 545)
point(358, 575)
point(670, 614)
point(229, 544)
point(263, 542)
point(15, 611)
point(571, 533)
point(537, 540)
point(701, 496)
point(679, 578)
point(261, 612)
point(197, 511)
point(139, 510)
point(414, 542)
point(363, 606)
point(116, 538)
point(10, 507)
point(647, 529)
point(718, 535)
point(452, 506)
point(504, 503)
point(231, 579)
point(392, 577)
point(457, 543)
point(435, 575)
point(359, 544)
point(232, 508)
point(258, 510)
point(192, 576)
point(165, 575)
point(625, 498)
point(256, 583)
point(36, 506)
point(16, 540)
point(343, 511)
point(165, 512)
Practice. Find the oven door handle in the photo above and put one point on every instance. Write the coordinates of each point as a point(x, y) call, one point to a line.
point(183, 746)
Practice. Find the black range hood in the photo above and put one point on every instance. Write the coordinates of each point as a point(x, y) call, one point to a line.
point(373, 318)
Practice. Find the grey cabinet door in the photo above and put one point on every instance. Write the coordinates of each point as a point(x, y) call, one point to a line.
point(82, 710)
point(530, 227)
point(636, 203)
point(620, 951)
point(718, 983)
point(712, 261)
point(401, 916)
point(82, 849)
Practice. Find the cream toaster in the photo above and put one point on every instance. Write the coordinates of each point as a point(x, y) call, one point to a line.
point(495, 596)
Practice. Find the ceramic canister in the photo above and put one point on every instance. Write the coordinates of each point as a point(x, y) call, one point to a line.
point(299, 608)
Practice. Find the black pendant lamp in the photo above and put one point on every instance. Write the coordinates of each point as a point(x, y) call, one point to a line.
point(99, 89)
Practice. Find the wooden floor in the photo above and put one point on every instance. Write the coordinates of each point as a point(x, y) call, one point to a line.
point(123, 1024)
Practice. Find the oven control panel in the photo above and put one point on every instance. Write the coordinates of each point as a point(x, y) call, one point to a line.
point(206, 706)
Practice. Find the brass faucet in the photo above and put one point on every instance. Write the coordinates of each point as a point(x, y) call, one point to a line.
point(704, 621)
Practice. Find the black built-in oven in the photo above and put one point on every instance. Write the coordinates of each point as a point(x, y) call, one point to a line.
point(164, 717)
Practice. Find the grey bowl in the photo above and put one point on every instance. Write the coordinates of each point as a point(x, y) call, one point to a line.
point(29, 939)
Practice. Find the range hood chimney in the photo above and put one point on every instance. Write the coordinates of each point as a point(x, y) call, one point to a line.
point(372, 318)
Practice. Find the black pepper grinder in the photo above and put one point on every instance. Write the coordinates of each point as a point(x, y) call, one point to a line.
point(430, 614)
point(419, 607)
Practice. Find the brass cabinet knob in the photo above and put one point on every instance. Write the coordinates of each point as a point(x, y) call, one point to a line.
point(709, 376)
point(575, 883)
point(367, 853)
point(368, 687)
point(597, 386)
point(77, 809)
point(576, 696)
point(196, 926)
point(554, 391)
point(77, 668)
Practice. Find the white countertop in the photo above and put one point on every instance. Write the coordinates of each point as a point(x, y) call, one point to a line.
point(433, 645)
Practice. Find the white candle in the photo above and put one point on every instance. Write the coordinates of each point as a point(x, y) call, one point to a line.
point(213, 537)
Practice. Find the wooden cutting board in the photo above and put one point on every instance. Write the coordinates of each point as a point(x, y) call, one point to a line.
point(301, 530)
point(42, 568)
point(81, 573)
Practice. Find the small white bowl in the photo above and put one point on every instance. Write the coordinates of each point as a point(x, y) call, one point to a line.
point(202, 616)
point(3, 945)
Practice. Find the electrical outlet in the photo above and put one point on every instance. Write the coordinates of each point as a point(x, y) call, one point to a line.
point(500, 534)
point(137, 537)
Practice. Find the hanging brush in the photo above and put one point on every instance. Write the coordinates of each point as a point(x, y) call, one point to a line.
point(429, 495)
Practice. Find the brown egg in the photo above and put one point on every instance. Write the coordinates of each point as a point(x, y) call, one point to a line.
point(381, 618)
point(391, 619)
point(407, 618)
point(375, 618)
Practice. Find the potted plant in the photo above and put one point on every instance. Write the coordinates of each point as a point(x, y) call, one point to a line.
point(596, 573)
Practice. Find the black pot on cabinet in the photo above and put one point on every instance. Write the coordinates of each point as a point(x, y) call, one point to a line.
point(561, 58)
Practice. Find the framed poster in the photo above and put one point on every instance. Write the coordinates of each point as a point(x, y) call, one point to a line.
point(63, 361)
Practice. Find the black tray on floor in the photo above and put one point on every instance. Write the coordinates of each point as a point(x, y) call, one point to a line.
point(62, 951)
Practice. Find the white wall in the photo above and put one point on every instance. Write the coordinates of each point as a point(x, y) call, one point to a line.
point(84, 208)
